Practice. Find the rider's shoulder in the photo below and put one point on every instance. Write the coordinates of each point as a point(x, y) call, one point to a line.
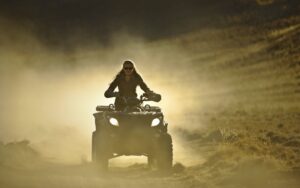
point(118, 76)
point(138, 76)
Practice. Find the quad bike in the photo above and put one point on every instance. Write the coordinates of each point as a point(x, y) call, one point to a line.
point(137, 130)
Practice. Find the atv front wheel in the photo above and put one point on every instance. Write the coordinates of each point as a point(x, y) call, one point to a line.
point(151, 161)
point(100, 153)
point(164, 153)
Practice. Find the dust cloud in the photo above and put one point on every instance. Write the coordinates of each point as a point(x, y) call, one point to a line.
point(50, 95)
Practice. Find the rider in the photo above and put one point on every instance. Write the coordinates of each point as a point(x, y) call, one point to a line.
point(126, 80)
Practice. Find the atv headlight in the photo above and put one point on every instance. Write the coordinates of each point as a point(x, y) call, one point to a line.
point(113, 121)
point(155, 122)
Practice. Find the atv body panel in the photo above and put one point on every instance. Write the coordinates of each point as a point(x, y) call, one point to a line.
point(131, 133)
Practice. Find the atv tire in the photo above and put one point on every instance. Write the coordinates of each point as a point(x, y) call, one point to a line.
point(164, 153)
point(151, 161)
point(100, 154)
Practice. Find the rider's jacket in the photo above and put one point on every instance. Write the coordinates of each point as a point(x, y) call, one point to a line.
point(126, 88)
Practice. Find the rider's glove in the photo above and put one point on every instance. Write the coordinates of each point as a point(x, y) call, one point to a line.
point(148, 94)
point(115, 94)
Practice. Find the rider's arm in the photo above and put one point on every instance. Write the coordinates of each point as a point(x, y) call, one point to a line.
point(143, 85)
point(110, 91)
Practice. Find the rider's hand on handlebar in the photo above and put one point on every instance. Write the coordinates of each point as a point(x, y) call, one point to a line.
point(152, 96)
point(116, 94)
point(148, 94)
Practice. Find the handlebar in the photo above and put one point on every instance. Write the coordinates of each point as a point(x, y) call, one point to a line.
point(150, 97)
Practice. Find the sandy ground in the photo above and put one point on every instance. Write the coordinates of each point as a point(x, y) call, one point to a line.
point(263, 152)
